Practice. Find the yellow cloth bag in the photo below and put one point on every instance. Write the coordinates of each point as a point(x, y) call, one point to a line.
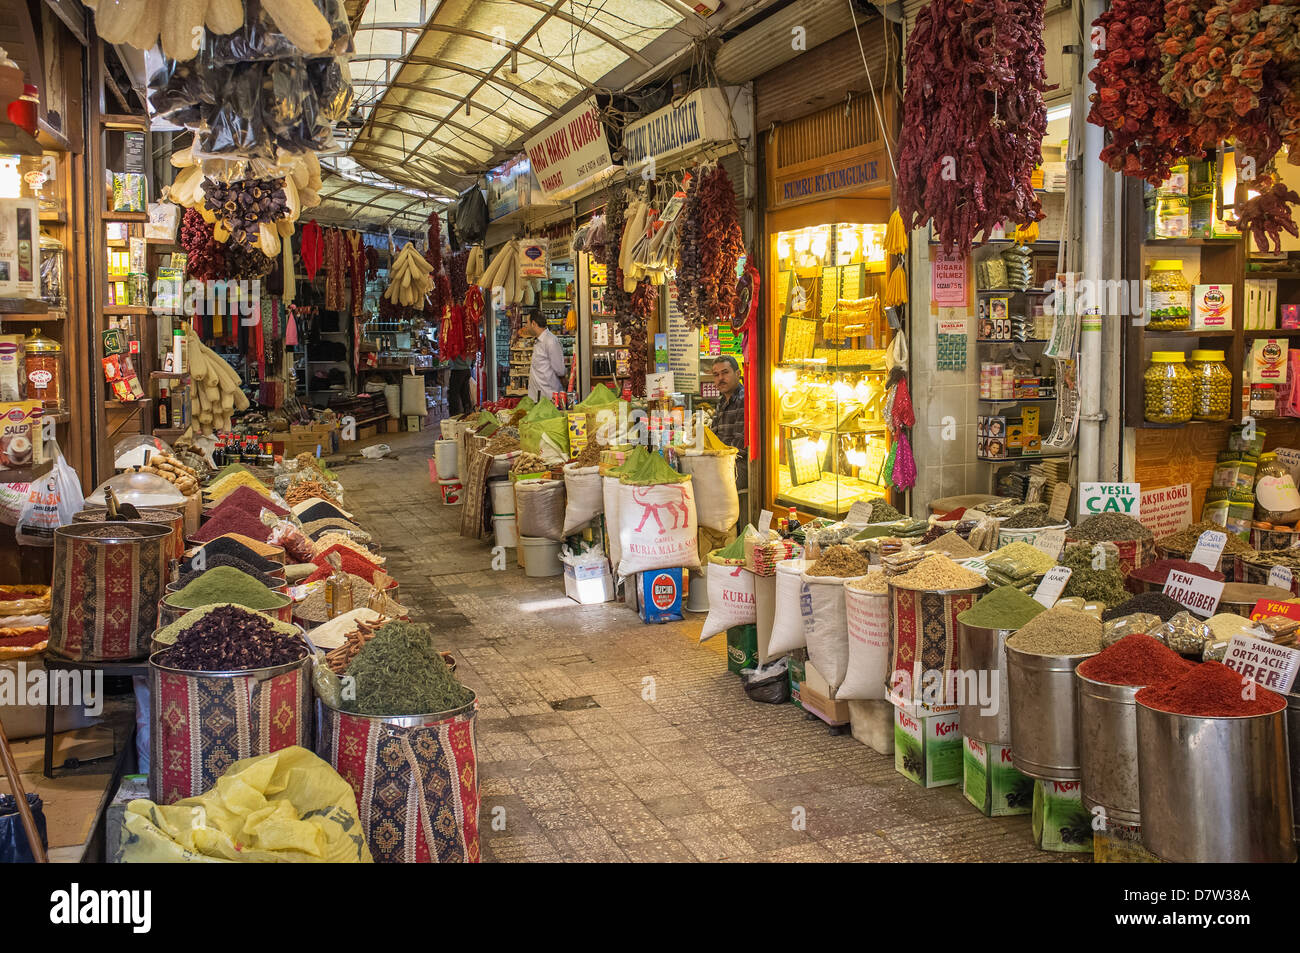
point(285, 807)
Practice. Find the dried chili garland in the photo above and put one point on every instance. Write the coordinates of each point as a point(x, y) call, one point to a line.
point(206, 257)
point(967, 164)
point(706, 287)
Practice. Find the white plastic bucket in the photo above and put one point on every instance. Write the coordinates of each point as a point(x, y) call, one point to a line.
point(448, 427)
point(444, 458)
point(503, 497)
point(506, 530)
point(451, 490)
point(541, 556)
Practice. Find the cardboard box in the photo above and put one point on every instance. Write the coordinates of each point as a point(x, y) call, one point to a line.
point(873, 724)
point(660, 594)
point(742, 648)
point(824, 707)
point(414, 423)
point(928, 748)
point(589, 585)
point(1060, 821)
point(991, 782)
point(796, 668)
point(1212, 307)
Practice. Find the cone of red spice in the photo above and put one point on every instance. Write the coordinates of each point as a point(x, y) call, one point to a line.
point(1158, 572)
point(1211, 690)
point(247, 500)
point(353, 562)
point(1136, 659)
point(233, 521)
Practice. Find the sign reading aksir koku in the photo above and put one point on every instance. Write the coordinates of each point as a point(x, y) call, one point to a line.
point(569, 150)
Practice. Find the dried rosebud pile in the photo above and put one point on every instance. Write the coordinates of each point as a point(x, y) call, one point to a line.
point(1149, 132)
point(206, 259)
point(230, 639)
point(246, 204)
point(973, 117)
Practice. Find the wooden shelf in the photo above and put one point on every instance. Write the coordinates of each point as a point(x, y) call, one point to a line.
point(53, 218)
point(128, 404)
point(26, 474)
point(1151, 425)
point(123, 122)
point(1274, 333)
point(11, 306)
point(170, 434)
point(38, 318)
point(1275, 275)
point(1193, 333)
point(125, 309)
point(50, 138)
point(124, 216)
point(1221, 242)
point(169, 376)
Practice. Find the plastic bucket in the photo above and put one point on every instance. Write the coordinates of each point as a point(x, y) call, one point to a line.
point(202, 722)
point(1108, 750)
point(984, 668)
point(444, 456)
point(923, 640)
point(105, 591)
point(1044, 714)
point(450, 491)
point(541, 556)
point(697, 595)
point(506, 530)
point(416, 781)
point(503, 497)
point(1215, 790)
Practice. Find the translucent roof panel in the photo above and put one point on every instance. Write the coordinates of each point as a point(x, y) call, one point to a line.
point(465, 89)
point(348, 201)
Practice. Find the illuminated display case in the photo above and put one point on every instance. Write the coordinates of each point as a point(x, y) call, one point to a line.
point(829, 438)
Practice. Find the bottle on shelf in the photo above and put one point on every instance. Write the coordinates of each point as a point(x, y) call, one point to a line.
point(791, 522)
point(163, 413)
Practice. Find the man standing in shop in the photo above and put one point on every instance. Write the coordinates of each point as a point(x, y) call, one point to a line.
point(546, 373)
point(458, 401)
point(729, 419)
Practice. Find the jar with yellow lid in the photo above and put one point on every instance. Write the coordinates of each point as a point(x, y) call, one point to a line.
point(43, 369)
point(1168, 389)
point(1212, 396)
point(1169, 296)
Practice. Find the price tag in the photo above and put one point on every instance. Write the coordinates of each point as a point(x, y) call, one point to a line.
point(1195, 593)
point(859, 514)
point(765, 523)
point(1264, 663)
point(1281, 576)
point(1050, 542)
point(1053, 584)
point(1209, 548)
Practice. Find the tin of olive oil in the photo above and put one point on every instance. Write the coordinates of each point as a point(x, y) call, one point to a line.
point(991, 782)
point(928, 748)
point(1060, 821)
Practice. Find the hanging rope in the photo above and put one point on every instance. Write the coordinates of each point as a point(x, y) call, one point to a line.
point(871, 84)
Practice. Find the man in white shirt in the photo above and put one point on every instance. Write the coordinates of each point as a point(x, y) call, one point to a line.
point(546, 373)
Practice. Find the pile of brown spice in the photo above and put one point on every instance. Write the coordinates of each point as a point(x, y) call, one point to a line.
point(501, 443)
point(590, 455)
point(840, 561)
point(952, 546)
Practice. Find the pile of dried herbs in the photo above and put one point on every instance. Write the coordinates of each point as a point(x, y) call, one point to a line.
point(399, 672)
point(1094, 585)
point(230, 638)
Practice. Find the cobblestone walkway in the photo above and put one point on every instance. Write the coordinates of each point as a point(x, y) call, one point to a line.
point(700, 773)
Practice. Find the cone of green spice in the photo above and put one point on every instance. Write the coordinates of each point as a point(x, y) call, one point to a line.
point(399, 672)
point(1006, 607)
point(226, 584)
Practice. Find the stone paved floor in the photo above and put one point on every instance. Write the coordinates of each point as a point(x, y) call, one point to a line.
point(698, 774)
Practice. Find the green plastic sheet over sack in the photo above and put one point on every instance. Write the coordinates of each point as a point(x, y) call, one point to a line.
point(733, 553)
point(600, 398)
point(527, 403)
point(545, 432)
point(486, 424)
point(643, 468)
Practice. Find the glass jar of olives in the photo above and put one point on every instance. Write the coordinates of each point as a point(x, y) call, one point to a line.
point(1168, 388)
point(1212, 396)
point(1169, 296)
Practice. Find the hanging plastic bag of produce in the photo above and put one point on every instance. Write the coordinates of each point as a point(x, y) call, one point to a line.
point(787, 621)
point(471, 216)
point(867, 613)
point(51, 502)
point(584, 497)
point(712, 466)
point(657, 522)
point(731, 590)
point(539, 509)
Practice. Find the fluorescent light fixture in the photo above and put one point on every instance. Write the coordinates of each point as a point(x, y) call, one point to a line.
point(1058, 112)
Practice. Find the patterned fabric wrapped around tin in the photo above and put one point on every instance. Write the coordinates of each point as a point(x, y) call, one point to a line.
point(202, 724)
point(104, 597)
point(924, 639)
point(417, 786)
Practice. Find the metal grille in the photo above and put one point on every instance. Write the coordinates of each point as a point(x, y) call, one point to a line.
point(825, 75)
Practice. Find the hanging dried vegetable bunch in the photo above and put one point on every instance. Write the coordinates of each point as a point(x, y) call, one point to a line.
point(1268, 214)
point(439, 297)
point(245, 207)
point(246, 262)
point(690, 255)
point(1236, 69)
point(635, 330)
point(457, 275)
point(711, 244)
point(1149, 132)
point(206, 259)
point(973, 117)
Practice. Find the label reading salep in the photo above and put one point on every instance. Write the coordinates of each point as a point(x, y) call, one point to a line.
point(1053, 584)
point(1196, 593)
point(1209, 548)
point(1281, 576)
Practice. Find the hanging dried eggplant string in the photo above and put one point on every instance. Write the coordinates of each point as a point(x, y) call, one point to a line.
point(721, 245)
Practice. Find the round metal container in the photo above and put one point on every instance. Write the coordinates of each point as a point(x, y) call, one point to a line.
point(282, 610)
point(923, 639)
point(1293, 744)
point(429, 761)
point(1108, 748)
point(105, 591)
point(1044, 713)
point(160, 515)
point(1215, 790)
point(277, 584)
point(984, 667)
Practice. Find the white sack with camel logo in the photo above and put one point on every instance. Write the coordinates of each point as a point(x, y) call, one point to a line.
point(657, 527)
point(731, 598)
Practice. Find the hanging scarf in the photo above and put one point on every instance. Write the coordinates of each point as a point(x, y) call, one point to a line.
point(335, 269)
point(355, 250)
point(313, 249)
point(745, 321)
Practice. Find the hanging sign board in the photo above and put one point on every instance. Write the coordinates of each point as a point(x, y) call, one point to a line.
point(1167, 509)
point(570, 150)
point(699, 119)
point(948, 284)
point(683, 347)
point(1109, 498)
